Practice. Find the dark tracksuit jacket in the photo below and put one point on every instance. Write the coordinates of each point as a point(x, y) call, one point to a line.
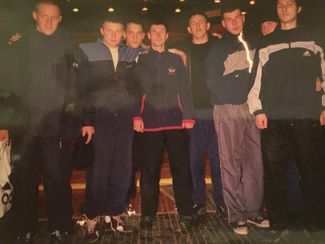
point(164, 104)
point(43, 81)
point(284, 90)
point(229, 73)
point(108, 103)
point(166, 101)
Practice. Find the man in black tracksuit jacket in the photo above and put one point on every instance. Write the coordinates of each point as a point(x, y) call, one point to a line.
point(43, 83)
point(163, 114)
point(288, 107)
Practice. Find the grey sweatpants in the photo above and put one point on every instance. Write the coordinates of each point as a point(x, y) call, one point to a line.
point(240, 161)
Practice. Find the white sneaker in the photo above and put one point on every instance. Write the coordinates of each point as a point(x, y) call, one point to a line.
point(240, 228)
point(130, 210)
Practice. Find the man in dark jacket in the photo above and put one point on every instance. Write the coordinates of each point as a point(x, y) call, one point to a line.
point(109, 95)
point(44, 86)
point(288, 107)
point(229, 66)
point(203, 137)
point(162, 115)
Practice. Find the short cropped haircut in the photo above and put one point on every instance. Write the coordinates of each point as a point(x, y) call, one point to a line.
point(228, 6)
point(193, 13)
point(136, 20)
point(298, 2)
point(113, 19)
point(158, 22)
point(49, 2)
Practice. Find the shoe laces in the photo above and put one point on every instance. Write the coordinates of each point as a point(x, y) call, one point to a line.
point(56, 234)
point(119, 220)
point(91, 224)
point(82, 220)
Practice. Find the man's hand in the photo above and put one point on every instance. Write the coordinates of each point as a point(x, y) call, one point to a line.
point(138, 125)
point(179, 53)
point(89, 131)
point(261, 121)
point(322, 118)
point(187, 125)
point(4, 136)
point(14, 38)
point(217, 35)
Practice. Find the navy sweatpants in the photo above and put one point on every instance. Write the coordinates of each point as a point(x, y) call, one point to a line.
point(203, 138)
point(110, 179)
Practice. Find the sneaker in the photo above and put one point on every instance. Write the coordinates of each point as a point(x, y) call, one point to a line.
point(146, 222)
point(92, 232)
point(26, 238)
point(221, 211)
point(240, 228)
point(119, 224)
point(130, 210)
point(185, 222)
point(260, 222)
point(56, 237)
point(199, 213)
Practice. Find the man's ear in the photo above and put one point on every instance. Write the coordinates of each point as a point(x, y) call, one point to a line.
point(189, 30)
point(101, 31)
point(34, 15)
point(208, 26)
point(223, 23)
point(167, 35)
point(299, 9)
point(149, 36)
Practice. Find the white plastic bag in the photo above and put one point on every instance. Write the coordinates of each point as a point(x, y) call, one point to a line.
point(5, 185)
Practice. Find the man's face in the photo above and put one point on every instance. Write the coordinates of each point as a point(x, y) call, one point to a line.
point(134, 35)
point(112, 33)
point(47, 17)
point(158, 35)
point(198, 26)
point(233, 22)
point(287, 10)
point(268, 27)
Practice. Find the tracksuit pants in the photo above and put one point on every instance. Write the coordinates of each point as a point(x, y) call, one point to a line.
point(151, 146)
point(240, 161)
point(203, 138)
point(51, 155)
point(111, 171)
point(301, 141)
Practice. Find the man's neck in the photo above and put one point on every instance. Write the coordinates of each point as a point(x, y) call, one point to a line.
point(289, 25)
point(159, 49)
point(202, 40)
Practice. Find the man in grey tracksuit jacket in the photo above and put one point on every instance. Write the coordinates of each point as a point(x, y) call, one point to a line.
point(229, 68)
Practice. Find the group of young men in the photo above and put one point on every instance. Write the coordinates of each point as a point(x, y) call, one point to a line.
point(246, 103)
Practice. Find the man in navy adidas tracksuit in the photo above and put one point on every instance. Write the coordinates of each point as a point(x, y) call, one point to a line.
point(163, 113)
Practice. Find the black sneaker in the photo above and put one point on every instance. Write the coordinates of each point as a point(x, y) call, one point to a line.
point(118, 224)
point(92, 229)
point(58, 237)
point(221, 211)
point(26, 238)
point(199, 214)
point(146, 222)
point(260, 222)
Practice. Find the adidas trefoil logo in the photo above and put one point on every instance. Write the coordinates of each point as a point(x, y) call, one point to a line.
point(171, 71)
point(306, 54)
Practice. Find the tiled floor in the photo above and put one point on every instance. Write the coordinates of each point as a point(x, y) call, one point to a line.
point(166, 228)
